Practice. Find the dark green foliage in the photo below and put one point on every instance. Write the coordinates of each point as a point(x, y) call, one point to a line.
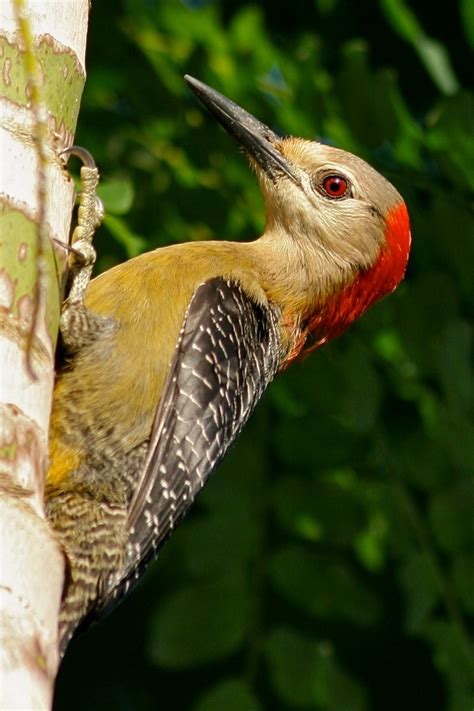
point(329, 565)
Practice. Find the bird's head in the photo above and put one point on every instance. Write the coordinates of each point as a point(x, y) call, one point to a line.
point(340, 214)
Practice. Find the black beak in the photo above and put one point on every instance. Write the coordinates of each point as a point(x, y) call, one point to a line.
point(259, 141)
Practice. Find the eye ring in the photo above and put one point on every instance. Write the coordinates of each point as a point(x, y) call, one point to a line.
point(335, 186)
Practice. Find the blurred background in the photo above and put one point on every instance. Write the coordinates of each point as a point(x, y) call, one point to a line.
point(329, 564)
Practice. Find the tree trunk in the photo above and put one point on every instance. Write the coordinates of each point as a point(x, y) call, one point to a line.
point(42, 50)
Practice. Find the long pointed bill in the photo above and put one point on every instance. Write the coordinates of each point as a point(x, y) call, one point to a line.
point(258, 140)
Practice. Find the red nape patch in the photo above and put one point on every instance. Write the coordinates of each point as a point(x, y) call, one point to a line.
point(368, 286)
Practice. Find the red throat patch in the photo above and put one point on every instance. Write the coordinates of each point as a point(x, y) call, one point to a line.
point(368, 286)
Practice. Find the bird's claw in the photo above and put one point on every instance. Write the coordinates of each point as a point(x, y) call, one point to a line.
point(81, 153)
point(82, 254)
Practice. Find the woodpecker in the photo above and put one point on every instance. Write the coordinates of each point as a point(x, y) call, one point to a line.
point(180, 344)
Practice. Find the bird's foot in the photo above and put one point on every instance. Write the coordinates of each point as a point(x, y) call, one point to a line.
point(78, 325)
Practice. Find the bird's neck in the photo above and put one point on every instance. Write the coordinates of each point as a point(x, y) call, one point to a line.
point(332, 315)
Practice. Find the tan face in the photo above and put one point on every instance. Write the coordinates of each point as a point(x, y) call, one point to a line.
point(335, 202)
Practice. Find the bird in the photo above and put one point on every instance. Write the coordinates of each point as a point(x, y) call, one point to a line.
point(179, 344)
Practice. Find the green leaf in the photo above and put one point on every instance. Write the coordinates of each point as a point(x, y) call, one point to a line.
point(326, 7)
point(366, 98)
point(132, 243)
point(117, 195)
point(231, 695)
point(431, 52)
point(402, 19)
point(454, 358)
point(452, 655)
point(306, 673)
point(320, 509)
point(451, 515)
point(372, 543)
point(463, 576)
point(421, 587)
point(450, 138)
point(466, 9)
point(200, 624)
point(361, 392)
point(322, 588)
point(437, 63)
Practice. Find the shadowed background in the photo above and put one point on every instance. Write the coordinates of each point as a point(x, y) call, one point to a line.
point(329, 564)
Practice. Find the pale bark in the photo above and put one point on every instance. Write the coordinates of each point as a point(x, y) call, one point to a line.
point(39, 104)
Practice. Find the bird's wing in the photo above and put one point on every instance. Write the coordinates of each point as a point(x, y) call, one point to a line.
point(228, 351)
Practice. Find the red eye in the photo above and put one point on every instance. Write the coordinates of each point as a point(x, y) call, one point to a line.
point(335, 186)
